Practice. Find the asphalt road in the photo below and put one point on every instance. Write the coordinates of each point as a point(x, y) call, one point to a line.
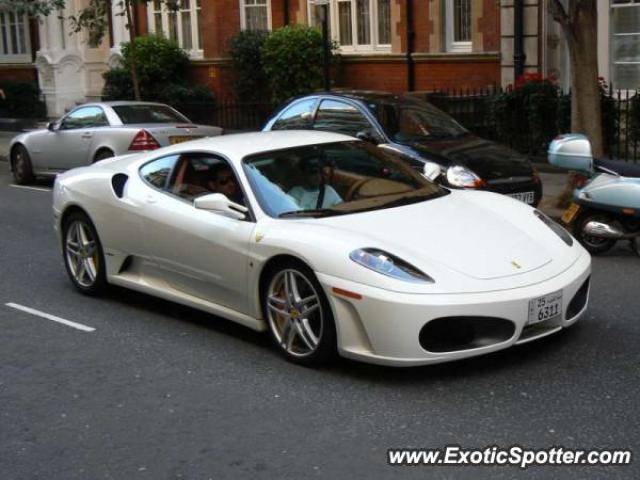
point(160, 391)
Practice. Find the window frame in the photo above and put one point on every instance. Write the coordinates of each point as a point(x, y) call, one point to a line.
point(24, 33)
point(243, 13)
point(334, 27)
point(196, 51)
point(453, 46)
point(612, 60)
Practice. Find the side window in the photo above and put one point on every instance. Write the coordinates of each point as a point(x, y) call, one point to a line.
point(158, 172)
point(340, 117)
point(87, 117)
point(297, 116)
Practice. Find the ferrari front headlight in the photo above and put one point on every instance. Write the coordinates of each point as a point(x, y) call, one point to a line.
point(389, 265)
point(557, 229)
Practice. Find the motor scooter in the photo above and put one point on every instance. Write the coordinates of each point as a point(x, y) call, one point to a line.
point(606, 208)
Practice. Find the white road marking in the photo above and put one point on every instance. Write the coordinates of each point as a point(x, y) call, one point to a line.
point(38, 189)
point(53, 318)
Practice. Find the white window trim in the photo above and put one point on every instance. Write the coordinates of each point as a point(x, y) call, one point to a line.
point(243, 14)
point(20, 57)
point(452, 46)
point(194, 53)
point(355, 48)
point(611, 60)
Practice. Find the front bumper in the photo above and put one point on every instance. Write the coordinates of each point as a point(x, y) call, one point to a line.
point(383, 327)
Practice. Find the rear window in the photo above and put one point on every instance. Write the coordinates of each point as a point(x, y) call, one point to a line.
point(148, 114)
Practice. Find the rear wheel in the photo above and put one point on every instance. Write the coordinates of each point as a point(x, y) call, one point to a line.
point(83, 256)
point(21, 165)
point(103, 155)
point(594, 245)
point(299, 316)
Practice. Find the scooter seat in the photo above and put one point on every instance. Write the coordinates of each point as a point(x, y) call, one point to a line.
point(624, 169)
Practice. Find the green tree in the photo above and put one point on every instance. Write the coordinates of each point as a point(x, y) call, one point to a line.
point(292, 59)
point(93, 19)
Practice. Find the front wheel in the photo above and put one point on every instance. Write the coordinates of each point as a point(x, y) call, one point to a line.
point(21, 166)
point(83, 256)
point(299, 316)
point(594, 245)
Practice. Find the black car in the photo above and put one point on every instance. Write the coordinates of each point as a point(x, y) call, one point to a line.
point(435, 141)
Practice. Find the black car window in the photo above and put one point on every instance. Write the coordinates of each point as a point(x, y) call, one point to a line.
point(86, 117)
point(341, 117)
point(297, 116)
point(407, 121)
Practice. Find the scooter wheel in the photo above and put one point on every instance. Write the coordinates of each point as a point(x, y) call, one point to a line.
point(635, 244)
point(594, 245)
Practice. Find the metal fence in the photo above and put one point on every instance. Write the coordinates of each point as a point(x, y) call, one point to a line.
point(475, 109)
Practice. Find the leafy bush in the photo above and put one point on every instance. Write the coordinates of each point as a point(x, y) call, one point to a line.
point(22, 100)
point(251, 83)
point(163, 74)
point(293, 59)
point(526, 116)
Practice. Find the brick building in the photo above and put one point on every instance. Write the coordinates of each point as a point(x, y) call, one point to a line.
point(445, 43)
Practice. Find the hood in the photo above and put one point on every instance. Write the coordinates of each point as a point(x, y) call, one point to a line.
point(489, 160)
point(459, 233)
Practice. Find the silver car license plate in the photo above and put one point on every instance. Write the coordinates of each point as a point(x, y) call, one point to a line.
point(545, 308)
point(526, 197)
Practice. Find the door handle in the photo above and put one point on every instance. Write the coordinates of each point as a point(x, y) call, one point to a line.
point(151, 199)
point(87, 135)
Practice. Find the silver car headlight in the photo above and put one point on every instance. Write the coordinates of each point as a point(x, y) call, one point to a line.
point(557, 229)
point(459, 176)
point(389, 265)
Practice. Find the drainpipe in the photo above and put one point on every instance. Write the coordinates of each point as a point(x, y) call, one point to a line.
point(411, 39)
point(519, 56)
point(286, 12)
point(325, 47)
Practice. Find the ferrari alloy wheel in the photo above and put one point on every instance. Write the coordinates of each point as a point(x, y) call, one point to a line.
point(82, 252)
point(299, 316)
point(21, 165)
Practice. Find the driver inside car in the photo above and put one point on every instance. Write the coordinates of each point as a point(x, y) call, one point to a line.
point(223, 180)
point(315, 192)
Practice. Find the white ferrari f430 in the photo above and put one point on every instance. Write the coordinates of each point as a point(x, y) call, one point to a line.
point(333, 245)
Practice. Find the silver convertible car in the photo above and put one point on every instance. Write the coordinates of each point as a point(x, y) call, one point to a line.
point(95, 131)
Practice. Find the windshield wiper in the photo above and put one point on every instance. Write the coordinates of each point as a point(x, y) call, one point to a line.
point(409, 200)
point(315, 213)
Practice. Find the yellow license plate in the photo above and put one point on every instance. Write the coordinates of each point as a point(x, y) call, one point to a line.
point(182, 138)
point(570, 213)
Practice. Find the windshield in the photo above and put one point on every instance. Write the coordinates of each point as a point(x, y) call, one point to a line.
point(131, 114)
point(334, 179)
point(409, 121)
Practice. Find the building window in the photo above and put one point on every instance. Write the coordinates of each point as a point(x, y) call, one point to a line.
point(182, 25)
point(625, 44)
point(357, 25)
point(458, 25)
point(15, 46)
point(255, 14)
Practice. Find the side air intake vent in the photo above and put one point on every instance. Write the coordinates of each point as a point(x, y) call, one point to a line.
point(118, 183)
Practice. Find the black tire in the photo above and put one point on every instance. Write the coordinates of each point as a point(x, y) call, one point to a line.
point(87, 256)
point(594, 246)
point(103, 155)
point(21, 166)
point(318, 325)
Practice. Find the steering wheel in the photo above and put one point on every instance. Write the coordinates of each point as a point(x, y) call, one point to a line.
point(356, 187)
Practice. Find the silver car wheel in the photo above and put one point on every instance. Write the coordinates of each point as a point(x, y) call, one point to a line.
point(295, 313)
point(81, 253)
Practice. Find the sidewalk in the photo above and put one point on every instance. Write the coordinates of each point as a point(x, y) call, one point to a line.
point(552, 183)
